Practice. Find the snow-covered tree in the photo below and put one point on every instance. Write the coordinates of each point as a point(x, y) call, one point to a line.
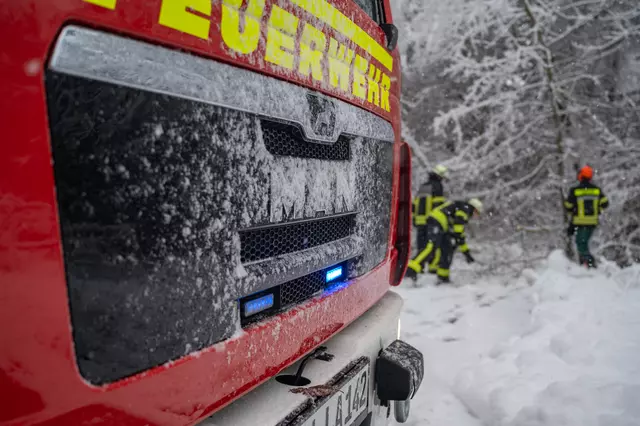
point(514, 98)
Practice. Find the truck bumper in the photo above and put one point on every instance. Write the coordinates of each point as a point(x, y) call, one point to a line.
point(355, 351)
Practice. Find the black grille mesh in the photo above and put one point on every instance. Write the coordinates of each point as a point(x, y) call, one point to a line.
point(301, 289)
point(287, 140)
point(269, 241)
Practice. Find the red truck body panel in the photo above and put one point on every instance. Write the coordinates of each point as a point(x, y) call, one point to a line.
point(39, 378)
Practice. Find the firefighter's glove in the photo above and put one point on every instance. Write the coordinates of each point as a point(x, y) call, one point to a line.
point(571, 230)
point(469, 258)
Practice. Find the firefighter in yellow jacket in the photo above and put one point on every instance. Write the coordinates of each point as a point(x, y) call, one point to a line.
point(430, 195)
point(445, 225)
point(585, 203)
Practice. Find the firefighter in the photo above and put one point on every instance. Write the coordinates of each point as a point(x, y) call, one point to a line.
point(584, 204)
point(430, 195)
point(445, 231)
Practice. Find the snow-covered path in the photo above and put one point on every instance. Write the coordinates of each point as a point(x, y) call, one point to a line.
point(558, 346)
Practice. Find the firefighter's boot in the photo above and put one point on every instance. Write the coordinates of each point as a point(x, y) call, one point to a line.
point(443, 280)
point(411, 275)
point(443, 276)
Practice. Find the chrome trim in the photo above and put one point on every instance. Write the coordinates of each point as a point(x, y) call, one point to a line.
point(114, 59)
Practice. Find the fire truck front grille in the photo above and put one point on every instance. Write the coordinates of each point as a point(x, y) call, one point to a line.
point(274, 240)
point(287, 140)
point(174, 204)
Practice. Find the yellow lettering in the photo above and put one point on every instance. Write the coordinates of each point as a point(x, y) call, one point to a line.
point(339, 65)
point(340, 22)
point(373, 94)
point(327, 13)
point(312, 45)
point(173, 14)
point(385, 86)
point(245, 41)
point(280, 43)
point(108, 4)
point(359, 77)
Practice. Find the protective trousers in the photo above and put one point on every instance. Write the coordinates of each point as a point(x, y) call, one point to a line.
point(422, 237)
point(583, 235)
point(448, 248)
point(437, 253)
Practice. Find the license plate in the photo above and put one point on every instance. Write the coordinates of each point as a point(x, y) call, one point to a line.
point(347, 404)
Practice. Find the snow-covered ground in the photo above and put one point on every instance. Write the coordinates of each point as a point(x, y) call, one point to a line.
point(558, 346)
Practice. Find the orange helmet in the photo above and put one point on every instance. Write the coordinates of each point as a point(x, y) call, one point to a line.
point(586, 173)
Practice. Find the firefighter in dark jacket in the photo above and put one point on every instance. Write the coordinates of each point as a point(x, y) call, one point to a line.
point(430, 195)
point(445, 231)
point(584, 204)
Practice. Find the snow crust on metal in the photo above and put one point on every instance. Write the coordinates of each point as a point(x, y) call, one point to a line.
point(201, 173)
point(106, 57)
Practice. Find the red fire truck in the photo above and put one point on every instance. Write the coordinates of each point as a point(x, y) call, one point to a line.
point(203, 207)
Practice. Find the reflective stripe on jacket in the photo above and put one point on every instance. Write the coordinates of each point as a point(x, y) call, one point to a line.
point(585, 203)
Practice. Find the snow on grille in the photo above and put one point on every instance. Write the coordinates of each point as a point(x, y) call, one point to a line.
point(274, 240)
point(287, 140)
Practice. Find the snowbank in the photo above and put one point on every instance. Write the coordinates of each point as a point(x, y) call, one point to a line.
point(578, 363)
point(558, 347)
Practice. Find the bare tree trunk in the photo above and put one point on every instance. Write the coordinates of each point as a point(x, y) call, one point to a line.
point(558, 113)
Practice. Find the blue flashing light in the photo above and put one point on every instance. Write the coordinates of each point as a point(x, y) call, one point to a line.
point(260, 304)
point(334, 274)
